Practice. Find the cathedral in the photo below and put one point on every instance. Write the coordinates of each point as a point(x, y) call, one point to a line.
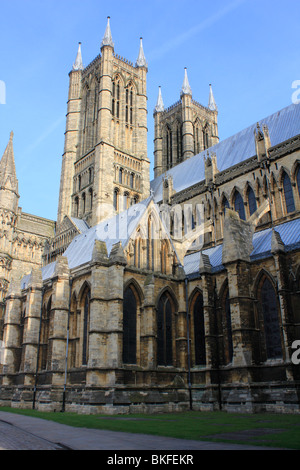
point(150, 296)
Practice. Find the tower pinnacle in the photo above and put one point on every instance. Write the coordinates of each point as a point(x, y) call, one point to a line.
point(141, 60)
point(7, 166)
point(159, 105)
point(107, 39)
point(211, 102)
point(186, 89)
point(78, 65)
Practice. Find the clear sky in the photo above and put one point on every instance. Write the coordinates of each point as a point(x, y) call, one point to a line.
point(247, 49)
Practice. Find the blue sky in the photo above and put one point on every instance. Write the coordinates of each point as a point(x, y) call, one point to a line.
point(247, 49)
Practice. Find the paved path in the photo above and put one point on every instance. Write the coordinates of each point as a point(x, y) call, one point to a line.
point(18, 432)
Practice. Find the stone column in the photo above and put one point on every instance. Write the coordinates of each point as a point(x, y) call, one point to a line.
point(59, 319)
point(148, 325)
point(11, 337)
point(32, 325)
point(106, 314)
point(237, 246)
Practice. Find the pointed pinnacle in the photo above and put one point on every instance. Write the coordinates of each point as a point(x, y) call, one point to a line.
point(211, 101)
point(141, 60)
point(107, 39)
point(78, 65)
point(186, 89)
point(7, 164)
point(159, 105)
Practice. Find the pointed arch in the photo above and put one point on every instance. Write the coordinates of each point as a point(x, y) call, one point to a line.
point(129, 324)
point(224, 322)
point(238, 203)
point(165, 328)
point(250, 198)
point(136, 288)
point(268, 311)
point(85, 286)
point(288, 192)
point(197, 327)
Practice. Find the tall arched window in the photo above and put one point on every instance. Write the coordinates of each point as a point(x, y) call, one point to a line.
point(227, 328)
point(91, 198)
point(116, 98)
point(129, 327)
point(116, 197)
point(268, 303)
point(121, 171)
point(205, 137)
point(45, 335)
point(20, 356)
point(163, 257)
point(239, 205)
point(288, 194)
point(169, 147)
point(76, 207)
point(83, 203)
point(164, 331)
point(137, 253)
point(298, 180)
point(129, 105)
point(199, 332)
point(86, 319)
point(179, 142)
point(225, 204)
point(150, 244)
point(251, 201)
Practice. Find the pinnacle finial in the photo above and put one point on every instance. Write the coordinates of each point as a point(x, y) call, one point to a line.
point(107, 39)
point(211, 101)
point(159, 105)
point(141, 60)
point(78, 65)
point(186, 89)
point(7, 165)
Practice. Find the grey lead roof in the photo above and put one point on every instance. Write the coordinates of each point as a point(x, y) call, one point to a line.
point(282, 126)
point(289, 233)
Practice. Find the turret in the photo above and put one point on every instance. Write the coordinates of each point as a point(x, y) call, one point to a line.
point(71, 139)
point(158, 144)
point(187, 124)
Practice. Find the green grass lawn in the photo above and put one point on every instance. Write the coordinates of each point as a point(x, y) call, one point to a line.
point(273, 430)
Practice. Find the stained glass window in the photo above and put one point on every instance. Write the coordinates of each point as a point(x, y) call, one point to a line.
point(271, 321)
point(239, 205)
point(288, 194)
point(251, 201)
point(129, 327)
point(164, 331)
point(199, 332)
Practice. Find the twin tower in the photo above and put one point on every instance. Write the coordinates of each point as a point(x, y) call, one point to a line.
point(105, 162)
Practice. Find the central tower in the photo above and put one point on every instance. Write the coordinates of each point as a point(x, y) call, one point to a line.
point(105, 167)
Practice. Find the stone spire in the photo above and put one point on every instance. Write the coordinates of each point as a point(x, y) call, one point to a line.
point(78, 62)
point(7, 167)
point(141, 60)
point(186, 89)
point(159, 105)
point(211, 101)
point(107, 39)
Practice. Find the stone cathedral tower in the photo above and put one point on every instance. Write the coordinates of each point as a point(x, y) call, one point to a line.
point(105, 165)
point(184, 129)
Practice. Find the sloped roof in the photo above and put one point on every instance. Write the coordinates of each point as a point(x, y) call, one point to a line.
point(289, 233)
point(114, 230)
point(282, 126)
